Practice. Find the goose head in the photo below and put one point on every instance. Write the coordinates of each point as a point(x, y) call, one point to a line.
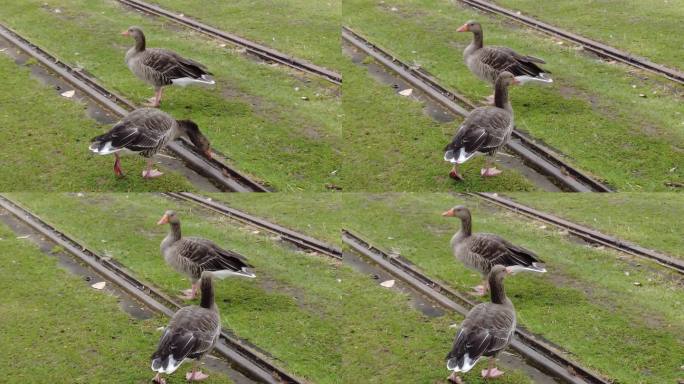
point(134, 32)
point(191, 130)
point(169, 217)
point(506, 79)
point(470, 26)
point(459, 211)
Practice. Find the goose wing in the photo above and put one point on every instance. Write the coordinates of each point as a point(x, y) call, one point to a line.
point(140, 131)
point(171, 65)
point(486, 330)
point(506, 59)
point(210, 257)
point(497, 250)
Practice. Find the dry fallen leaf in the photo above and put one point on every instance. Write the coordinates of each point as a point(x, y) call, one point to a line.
point(388, 283)
point(406, 92)
point(69, 93)
point(23, 237)
point(99, 285)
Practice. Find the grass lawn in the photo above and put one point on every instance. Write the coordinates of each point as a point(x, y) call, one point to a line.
point(587, 303)
point(593, 113)
point(390, 144)
point(44, 141)
point(301, 28)
point(652, 221)
point(318, 318)
point(649, 28)
point(271, 121)
point(56, 328)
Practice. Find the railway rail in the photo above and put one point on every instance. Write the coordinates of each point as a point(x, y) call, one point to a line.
point(250, 361)
point(224, 176)
point(300, 240)
point(533, 153)
point(585, 233)
point(536, 351)
point(600, 49)
point(259, 50)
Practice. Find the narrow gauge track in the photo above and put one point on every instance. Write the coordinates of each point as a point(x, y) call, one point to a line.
point(299, 240)
point(250, 361)
point(536, 351)
point(219, 172)
point(534, 154)
point(596, 47)
point(259, 50)
point(585, 233)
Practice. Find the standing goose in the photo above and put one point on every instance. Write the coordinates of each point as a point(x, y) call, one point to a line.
point(191, 256)
point(486, 330)
point(488, 62)
point(485, 130)
point(191, 334)
point(146, 131)
point(161, 67)
point(482, 251)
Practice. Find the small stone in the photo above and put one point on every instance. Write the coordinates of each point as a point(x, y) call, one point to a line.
point(406, 92)
point(68, 94)
point(99, 285)
point(638, 284)
point(642, 95)
point(388, 283)
point(304, 98)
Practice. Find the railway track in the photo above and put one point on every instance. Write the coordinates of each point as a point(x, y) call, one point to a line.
point(535, 350)
point(221, 174)
point(600, 49)
point(585, 233)
point(301, 241)
point(261, 51)
point(532, 153)
point(249, 361)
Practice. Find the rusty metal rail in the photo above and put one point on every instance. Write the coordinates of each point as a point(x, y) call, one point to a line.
point(533, 153)
point(298, 239)
point(259, 50)
point(250, 361)
point(585, 233)
point(535, 350)
point(218, 172)
point(596, 47)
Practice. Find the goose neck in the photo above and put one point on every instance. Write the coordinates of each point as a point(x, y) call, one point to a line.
point(207, 293)
point(501, 97)
point(478, 40)
point(498, 293)
point(139, 42)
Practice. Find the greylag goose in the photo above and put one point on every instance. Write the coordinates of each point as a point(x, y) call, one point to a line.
point(486, 330)
point(482, 251)
point(146, 131)
point(191, 334)
point(485, 130)
point(191, 256)
point(488, 62)
point(161, 67)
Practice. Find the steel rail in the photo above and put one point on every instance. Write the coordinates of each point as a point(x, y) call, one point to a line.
point(532, 348)
point(234, 349)
point(596, 47)
point(533, 153)
point(585, 233)
point(220, 173)
point(259, 50)
point(298, 239)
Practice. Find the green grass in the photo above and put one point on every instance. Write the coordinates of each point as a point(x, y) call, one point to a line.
point(318, 318)
point(390, 144)
point(652, 221)
point(255, 114)
point(56, 328)
point(587, 303)
point(305, 29)
point(592, 113)
point(649, 28)
point(44, 142)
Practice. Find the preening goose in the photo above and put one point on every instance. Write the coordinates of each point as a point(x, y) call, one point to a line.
point(485, 130)
point(488, 62)
point(191, 256)
point(146, 131)
point(191, 334)
point(161, 67)
point(486, 330)
point(482, 251)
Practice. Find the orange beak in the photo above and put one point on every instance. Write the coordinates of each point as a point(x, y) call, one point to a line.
point(163, 220)
point(125, 33)
point(449, 213)
point(208, 154)
point(463, 28)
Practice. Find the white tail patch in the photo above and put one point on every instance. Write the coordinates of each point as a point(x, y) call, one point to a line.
point(227, 273)
point(468, 364)
point(169, 368)
point(463, 156)
point(107, 149)
point(185, 81)
point(519, 268)
point(541, 79)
